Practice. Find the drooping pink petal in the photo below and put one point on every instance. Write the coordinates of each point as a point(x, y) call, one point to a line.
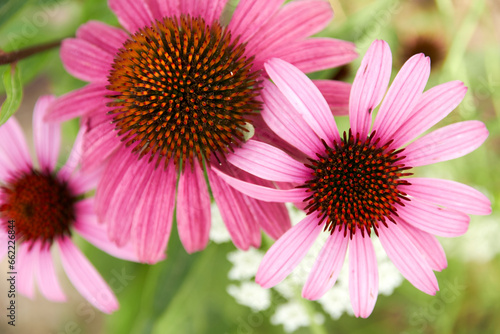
point(404, 93)
point(83, 182)
point(286, 122)
point(79, 102)
point(287, 252)
point(193, 209)
point(45, 275)
point(108, 38)
point(433, 219)
point(305, 97)
point(449, 194)
point(336, 94)
point(74, 156)
point(446, 143)
point(263, 193)
point(84, 60)
point(407, 258)
point(46, 136)
point(132, 14)
point(14, 155)
point(153, 213)
point(427, 244)
point(434, 105)
point(327, 266)
point(87, 226)
point(164, 8)
point(85, 277)
point(369, 86)
point(25, 265)
point(268, 162)
point(363, 275)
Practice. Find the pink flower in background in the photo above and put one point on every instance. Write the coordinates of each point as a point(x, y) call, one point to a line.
point(47, 207)
point(171, 96)
point(359, 183)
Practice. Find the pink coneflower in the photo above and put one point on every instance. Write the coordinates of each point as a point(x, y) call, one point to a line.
point(47, 206)
point(358, 183)
point(171, 96)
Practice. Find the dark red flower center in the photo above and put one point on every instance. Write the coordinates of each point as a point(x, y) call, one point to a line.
point(354, 184)
point(41, 206)
point(184, 90)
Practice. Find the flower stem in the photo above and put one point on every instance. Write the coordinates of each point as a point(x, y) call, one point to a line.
point(14, 56)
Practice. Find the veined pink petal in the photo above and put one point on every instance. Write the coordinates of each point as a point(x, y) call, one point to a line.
point(446, 143)
point(82, 182)
point(78, 102)
point(163, 8)
point(433, 219)
point(305, 97)
point(327, 266)
point(211, 10)
point(449, 194)
point(14, 156)
point(336, 94)
point(74, 156)
point(46, 275)
point(427, 244)
point(263, 193)
point(363, 275)
point(108, 38)
point(285, 121)
point(26, 262)
point(85, 277)
point(287, 252)
point(369, 86)
point(403, 95)
point(132, 14)
point(84, 60)
point(193, 209)
point(46, 136)
point(434, 105)
point(269, 163)
point(407, 258)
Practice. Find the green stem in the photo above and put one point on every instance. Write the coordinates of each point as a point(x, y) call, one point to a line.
point(14, 56)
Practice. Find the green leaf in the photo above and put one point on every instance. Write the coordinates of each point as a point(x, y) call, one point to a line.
point(8, 10)
point(14, 91)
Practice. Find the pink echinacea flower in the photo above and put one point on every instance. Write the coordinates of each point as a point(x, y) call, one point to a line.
point(46, 207)
point(171, 95)
point(359, 183)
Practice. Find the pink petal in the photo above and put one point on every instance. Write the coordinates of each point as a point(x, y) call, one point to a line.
point(404, 93)
point(305, 97)
point(269, 163)
point(79, 102)
point(369, 86)
point(74, 156)
point(336, 94)
point(132, 14)
point(327, 266)
point(263, 193)
point(449, 142)
point(449, 194)
point(427, 245)
point(108, 38)
point(46, 275)
point(286, 122)
point(363, 275)
point(153, 212)
point(83, 182)
point(164, 8)
point(211, 10)
point(84, 60)
point(87, 226)
point(25, 265)
point(433, 219)
point(85, 277)
point(434, 105)
point(193, 209)
point(287, 252)
point(14, 156)
point(408, 259)
point(46, 136)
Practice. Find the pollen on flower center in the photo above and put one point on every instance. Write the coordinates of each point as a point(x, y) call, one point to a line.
point(41, 206)
point(183, 90)
point(355, 183)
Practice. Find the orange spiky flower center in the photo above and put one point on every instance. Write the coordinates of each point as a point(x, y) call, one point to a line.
point(355, 183)
point(183, 91)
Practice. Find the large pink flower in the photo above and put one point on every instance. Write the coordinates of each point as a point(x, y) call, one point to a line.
point(359, 183)
point(47, 207)
point(171, 96)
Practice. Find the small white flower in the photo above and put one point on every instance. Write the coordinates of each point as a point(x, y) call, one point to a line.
point(252, 295)
point(218, 231)
point(293, 315)
point(245, 263)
